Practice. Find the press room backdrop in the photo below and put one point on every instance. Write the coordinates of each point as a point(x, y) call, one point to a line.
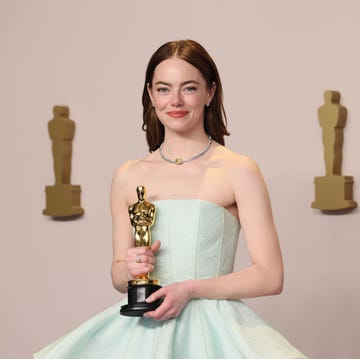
point(276, 59)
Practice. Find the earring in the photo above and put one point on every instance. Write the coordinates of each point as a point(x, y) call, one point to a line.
point(208, 104)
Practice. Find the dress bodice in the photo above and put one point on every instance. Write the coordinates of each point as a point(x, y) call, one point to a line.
point(198, 240)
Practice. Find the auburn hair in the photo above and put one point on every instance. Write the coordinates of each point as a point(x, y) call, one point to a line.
point(215, 121)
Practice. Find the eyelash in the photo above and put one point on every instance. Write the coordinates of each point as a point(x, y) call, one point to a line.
point(190, 89)
point(165, 90)
point(162, 90)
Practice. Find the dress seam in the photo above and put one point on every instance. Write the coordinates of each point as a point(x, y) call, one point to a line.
point(196, 233)
point(221, 256)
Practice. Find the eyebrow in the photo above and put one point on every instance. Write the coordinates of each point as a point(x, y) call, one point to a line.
point(182, 84)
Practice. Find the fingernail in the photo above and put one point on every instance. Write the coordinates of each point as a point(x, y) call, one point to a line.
point(148, 299)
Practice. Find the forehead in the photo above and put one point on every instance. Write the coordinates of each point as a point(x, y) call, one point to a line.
point(176, 70)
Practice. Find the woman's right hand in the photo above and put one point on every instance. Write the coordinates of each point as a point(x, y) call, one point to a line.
point(141, 260)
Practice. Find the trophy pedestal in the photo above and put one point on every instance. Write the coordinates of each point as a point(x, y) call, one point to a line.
point(333, 193)
point(138, 291)
point(63, 200)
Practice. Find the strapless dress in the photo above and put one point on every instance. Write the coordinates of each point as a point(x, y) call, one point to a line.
point(198, 240)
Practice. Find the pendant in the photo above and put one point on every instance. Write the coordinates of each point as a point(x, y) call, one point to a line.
point(179, 161)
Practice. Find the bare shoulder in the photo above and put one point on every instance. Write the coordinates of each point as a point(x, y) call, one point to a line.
point(128, 176)
point(237, 164)
point(122, 174)
point(131, 168)
point(124, 170)
point(245, 181)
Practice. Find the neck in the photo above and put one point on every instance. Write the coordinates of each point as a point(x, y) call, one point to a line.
point(177, 145)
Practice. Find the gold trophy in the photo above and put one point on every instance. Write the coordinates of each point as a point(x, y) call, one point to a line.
point(142, 217)
point(333, 192)
point(63, 198)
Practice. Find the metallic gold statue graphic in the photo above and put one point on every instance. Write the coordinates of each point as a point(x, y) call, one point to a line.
point(142, 218)
point(62, 131)
point(333, 191)
point(332, 118)
point(62, 199)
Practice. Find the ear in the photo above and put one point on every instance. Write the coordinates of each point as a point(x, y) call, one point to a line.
point(211, 93)
point(150, 94)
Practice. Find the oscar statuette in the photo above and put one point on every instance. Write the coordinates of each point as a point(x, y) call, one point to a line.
point(142, 217)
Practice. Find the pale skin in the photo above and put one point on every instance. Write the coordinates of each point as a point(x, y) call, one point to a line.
point(179, 94)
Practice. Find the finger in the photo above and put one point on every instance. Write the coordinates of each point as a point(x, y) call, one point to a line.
point(156, 295)
point(138, 250)
point(137, 258)
point(149, 314)
point(142, 258)
point(136, 269)
point(152, 315)
point(157, 314)
point(155, 246)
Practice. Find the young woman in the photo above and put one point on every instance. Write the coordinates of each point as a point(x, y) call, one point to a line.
point(202, 192)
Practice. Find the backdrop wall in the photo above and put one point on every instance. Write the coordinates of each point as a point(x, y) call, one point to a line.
point(276, 59)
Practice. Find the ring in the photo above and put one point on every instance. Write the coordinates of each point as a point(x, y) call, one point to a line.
point(138, 259)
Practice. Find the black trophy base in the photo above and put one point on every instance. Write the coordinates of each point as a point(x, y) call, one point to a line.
point(137, 293)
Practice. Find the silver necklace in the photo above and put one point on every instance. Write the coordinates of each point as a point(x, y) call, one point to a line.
point(179, 160)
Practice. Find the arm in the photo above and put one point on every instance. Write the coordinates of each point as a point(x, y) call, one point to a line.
point(124, 266)
point(264, 276)
point(121, 230)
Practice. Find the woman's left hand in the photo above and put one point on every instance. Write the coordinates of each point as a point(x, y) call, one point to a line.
point(176, 296)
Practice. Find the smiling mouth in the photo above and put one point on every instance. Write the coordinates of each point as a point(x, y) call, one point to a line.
point(177, 114)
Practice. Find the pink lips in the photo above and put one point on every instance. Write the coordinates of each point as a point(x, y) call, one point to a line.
point(177, 114)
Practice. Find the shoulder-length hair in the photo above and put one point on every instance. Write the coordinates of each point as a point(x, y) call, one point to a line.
point(192, 52)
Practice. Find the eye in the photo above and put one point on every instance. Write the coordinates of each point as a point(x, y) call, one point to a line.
point(190, 89)
point(162, 90)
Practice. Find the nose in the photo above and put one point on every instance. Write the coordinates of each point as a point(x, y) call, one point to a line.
point(177, 99)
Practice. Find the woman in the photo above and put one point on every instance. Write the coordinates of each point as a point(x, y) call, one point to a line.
point(202, 192)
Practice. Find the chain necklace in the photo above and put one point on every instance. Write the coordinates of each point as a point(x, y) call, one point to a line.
point(179, 160)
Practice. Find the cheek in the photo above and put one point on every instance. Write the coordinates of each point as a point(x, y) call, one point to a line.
point(160, 101)
point(196, 103)
point(160, 114)
point(198, 98)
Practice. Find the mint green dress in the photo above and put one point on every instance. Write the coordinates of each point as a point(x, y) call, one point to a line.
point(198, 240)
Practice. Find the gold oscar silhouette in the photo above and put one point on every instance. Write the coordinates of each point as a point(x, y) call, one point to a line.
point(333, 192)
point(142, 217)
point(62, 199)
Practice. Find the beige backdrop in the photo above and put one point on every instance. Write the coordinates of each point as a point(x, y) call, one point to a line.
point(276, 59)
